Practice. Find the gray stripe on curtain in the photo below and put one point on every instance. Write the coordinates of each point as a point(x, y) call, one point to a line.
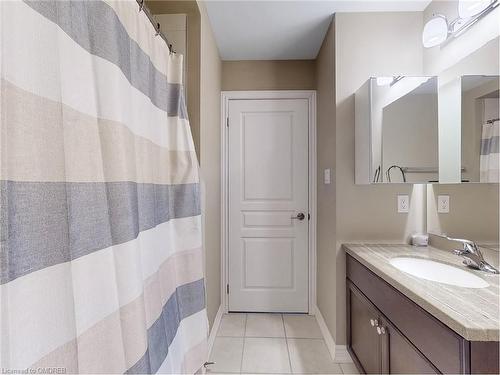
point(490, 146)
point(49, 223)
point(95, 27)
point(187, 300)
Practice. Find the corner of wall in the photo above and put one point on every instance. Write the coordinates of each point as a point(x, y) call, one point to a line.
point(326, 194)
point(210, 162)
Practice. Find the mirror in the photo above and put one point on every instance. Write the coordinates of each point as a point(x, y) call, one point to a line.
point(397, 130)
point(480, 128)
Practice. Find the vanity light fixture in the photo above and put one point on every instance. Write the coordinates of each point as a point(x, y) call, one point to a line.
point(435, 31)
point(438, 30)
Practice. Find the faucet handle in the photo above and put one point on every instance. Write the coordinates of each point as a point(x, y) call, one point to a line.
point(462, 241)
point(460, 252)
point(467, 262)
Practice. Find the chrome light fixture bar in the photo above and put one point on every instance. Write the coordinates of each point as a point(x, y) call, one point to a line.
point(438, 30)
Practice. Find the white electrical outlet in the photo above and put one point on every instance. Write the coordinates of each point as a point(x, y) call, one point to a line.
point(443, 204)
point(327, 177)
point(403, 204)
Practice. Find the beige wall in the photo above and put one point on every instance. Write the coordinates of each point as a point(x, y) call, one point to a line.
point(410, 136)
point(473, 211)
point(369, 45)
point(210, 161)
point(268, 75)
point(326, 226)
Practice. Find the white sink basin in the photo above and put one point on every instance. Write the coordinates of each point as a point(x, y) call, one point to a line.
point(440, 272)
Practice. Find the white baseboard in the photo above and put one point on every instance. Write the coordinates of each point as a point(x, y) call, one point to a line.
point(342, 355)
point(330, 344)
point(338, 353)
point(214, 329)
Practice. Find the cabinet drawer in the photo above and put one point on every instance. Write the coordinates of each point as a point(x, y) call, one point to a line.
point(448, 351)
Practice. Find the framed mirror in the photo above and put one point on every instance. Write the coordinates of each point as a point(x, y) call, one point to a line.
point(480, 128)
point(397, 130)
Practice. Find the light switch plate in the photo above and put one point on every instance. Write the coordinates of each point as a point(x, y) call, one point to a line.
point(443, 204)
point(327, 176)
point(403, 204)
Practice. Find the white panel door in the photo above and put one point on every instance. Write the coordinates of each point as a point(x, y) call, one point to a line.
point(268, 193)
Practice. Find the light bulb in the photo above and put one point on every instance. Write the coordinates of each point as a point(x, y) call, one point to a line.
point(435, 31)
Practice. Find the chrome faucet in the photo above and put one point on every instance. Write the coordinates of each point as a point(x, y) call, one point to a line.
point(472, 255)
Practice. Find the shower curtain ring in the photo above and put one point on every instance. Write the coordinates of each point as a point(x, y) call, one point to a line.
point(157, 29)
point(141, 5)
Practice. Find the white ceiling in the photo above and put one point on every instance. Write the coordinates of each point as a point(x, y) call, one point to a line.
point(284, 30)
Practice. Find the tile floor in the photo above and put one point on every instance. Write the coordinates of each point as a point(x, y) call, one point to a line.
point(273, 344)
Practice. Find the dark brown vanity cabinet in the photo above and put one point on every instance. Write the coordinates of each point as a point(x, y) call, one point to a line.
point(364, 341)
point(377, 345)
point(387, 333)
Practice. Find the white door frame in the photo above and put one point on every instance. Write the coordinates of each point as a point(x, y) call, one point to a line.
point(226, 96)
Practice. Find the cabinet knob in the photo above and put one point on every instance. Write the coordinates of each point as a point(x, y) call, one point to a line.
point(374, 322)
point(381, 330)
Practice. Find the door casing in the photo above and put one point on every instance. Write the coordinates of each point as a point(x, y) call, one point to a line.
point(226, 96)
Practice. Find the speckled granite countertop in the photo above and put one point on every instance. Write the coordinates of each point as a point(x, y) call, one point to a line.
point(472, 313)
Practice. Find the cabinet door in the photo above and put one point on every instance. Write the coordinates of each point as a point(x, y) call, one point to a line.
point(364, 342)
point(399, 356)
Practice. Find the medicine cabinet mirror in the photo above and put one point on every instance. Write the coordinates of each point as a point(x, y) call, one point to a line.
point(396, 131)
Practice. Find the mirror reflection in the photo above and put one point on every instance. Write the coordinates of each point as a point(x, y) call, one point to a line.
point(404, 129)
point(480, 128)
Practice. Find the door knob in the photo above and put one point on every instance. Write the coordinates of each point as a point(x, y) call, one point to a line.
point(300, 216)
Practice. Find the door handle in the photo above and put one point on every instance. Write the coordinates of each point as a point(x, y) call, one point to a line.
point(300, 216)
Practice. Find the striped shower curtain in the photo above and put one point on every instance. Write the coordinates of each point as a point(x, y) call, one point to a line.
point(490, 152)
point(101, 257)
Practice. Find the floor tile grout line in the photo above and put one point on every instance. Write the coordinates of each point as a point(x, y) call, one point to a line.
point(244, 339)
point(272, 337)
point(286, 342)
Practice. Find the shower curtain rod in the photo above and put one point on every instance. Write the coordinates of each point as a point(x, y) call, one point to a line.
point(143, 7)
